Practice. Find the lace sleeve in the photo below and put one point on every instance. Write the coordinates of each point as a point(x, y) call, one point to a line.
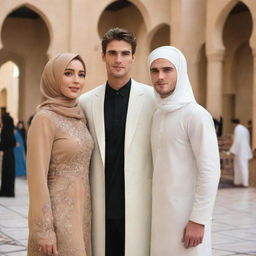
point(43, 226)
point(39, 146)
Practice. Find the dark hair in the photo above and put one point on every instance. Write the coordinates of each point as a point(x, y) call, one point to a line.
point(21, 122)
point(118, 34)
point(7, 134)
point(235, 121)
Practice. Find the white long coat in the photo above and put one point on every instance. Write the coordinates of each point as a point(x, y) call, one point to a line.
point(138, 168)
point(185, 179)
point(242, 151)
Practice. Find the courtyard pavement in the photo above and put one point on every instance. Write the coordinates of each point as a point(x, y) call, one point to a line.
point(234, 222)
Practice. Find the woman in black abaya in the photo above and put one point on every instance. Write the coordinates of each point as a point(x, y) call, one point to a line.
point(7, 145)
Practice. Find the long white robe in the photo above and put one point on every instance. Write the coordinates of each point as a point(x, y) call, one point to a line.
point(185, 160)
point(185, 178)
point(242, 151)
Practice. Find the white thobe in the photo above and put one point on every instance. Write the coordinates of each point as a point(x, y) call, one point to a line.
point(185, 178)
point(242, 151)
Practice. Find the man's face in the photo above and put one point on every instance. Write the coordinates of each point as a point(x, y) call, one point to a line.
point(163, 76)
point(118, 59)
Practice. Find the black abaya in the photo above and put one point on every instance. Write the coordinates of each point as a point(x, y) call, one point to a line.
point(7, 145)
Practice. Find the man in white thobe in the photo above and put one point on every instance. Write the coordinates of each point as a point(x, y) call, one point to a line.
point(242, 153)
point(185, 159)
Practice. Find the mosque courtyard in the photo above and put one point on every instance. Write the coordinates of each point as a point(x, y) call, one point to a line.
point(234, 222)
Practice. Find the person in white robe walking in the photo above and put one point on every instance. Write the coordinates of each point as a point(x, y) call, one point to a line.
point(185, 160)
point(242, 153)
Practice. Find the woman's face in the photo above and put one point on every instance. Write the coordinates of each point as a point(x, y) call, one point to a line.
point(73, 79)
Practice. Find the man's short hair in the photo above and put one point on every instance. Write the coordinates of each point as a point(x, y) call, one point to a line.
point(235, 121)
point(118, 34)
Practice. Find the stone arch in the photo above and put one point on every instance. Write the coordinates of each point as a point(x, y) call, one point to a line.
point(217, 68)
point(144, 12)
point(164, 31)
point(217, 44)
point(35, 9)
point(107, 19)
point(9, 87)
point(10, 56)
point(237, 66)
point(30, 54)
point(6, 56)
point(3, 98)
point(140, 6)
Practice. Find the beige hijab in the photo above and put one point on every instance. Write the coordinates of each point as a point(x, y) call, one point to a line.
point(50, 87)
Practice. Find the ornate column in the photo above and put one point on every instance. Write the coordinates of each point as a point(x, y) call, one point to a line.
point(214, 83)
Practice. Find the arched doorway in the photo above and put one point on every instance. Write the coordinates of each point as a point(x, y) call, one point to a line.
point(242, 74)
point(9, 88)
point(237, 68)
point(25, 40)
point(161, 37)
point(3, 101)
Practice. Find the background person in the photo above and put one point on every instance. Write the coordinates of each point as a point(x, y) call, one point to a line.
point(242, 153)
point(19, 150)
point(22, 130)
point(7, 145)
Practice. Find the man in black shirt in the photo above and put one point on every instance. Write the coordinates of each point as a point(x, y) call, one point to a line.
point(119, 114)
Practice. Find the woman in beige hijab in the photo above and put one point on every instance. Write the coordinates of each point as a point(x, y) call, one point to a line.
point(59, 152)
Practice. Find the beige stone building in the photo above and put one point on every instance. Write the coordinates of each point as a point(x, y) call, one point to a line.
point(218, 38)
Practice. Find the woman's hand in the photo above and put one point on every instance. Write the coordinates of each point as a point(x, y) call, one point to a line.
point(48, 249)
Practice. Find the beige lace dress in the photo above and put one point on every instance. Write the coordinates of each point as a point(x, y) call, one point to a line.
point(59, 151)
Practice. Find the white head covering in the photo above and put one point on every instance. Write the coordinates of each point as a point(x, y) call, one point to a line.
point(183, 93)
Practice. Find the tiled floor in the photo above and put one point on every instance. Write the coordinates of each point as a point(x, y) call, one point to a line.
point(13, 221)
point(234, 222)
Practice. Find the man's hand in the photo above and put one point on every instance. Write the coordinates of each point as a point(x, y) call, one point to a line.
point(193, 234)
point(48, 249)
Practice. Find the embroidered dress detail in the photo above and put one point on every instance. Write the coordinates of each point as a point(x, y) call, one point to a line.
point(65, 204)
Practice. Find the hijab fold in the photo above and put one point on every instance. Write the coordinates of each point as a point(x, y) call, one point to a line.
point(50, 87)
point(183, 93)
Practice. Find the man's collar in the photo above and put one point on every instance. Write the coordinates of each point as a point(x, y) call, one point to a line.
point(123, 91)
